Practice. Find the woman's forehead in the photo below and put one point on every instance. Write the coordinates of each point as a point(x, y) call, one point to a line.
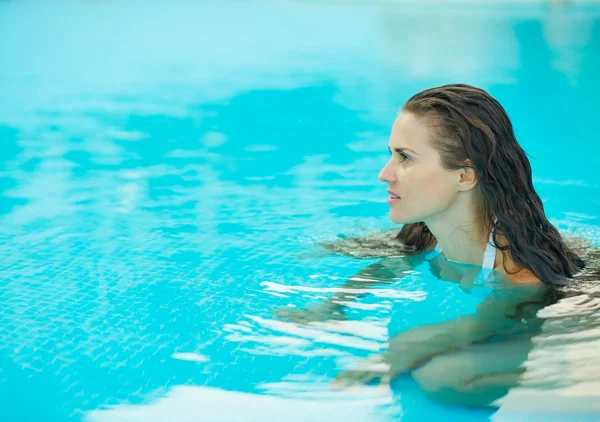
point(410, 131)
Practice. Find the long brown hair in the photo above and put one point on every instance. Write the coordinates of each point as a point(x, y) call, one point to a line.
point(471, 129)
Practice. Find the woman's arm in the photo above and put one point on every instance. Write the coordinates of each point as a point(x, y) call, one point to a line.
point(414, 347)
point(412, 240)
point(387, 270)
point(497, 314)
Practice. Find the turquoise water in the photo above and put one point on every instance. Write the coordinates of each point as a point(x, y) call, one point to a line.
point(167, 173)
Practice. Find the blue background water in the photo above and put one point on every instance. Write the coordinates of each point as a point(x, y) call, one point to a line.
point(166, 171)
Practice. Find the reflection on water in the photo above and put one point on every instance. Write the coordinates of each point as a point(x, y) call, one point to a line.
point(186, 403)
point(563, 369)
point(165, 180)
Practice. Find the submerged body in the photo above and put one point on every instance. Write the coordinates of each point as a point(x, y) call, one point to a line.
point(471, 350)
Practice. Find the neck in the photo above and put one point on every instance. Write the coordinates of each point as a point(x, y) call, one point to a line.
point(461, 233)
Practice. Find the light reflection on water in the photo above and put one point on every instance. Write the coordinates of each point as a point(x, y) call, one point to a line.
point(165, 179)
point(563, 368)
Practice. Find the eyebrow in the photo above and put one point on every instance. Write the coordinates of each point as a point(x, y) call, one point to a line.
point(400, 150)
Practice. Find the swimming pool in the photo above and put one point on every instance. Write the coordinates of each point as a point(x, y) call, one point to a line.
point(167, 172)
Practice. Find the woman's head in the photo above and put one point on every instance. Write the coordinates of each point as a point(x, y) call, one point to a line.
point(427, 187)
point(463, 148)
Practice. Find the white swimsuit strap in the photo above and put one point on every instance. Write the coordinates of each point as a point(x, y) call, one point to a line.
point(489, 256)
point(489, 259)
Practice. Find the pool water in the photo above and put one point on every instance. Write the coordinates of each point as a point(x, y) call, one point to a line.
point(168, 171)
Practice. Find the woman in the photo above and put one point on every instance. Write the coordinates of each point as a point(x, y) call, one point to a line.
point(461, 178)
point(462, 186)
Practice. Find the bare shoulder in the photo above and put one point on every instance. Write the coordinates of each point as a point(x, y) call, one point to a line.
point(523, 276)
point(513, 272)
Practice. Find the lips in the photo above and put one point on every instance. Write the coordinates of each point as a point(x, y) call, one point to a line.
point(392, 194)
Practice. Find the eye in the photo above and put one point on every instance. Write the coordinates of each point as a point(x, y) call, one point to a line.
point(403, 157)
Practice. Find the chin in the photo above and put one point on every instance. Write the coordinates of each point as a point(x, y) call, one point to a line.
point(399, 219)
point(403, 219)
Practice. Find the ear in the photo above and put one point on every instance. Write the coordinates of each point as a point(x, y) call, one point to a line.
point(467, 179)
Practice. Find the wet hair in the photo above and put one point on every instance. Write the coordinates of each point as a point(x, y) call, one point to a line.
point(471, 129)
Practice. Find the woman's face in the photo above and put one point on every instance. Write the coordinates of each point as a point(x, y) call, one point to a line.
point(415, 174)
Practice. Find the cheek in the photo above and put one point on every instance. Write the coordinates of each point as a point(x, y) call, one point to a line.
point(431, 185)
point(424, 181)
point(426, 191)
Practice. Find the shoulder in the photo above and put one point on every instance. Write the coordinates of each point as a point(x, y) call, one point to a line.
point(513, 272)
point(524, 276)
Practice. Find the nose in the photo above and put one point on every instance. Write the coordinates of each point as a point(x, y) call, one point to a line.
point(387, 174)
